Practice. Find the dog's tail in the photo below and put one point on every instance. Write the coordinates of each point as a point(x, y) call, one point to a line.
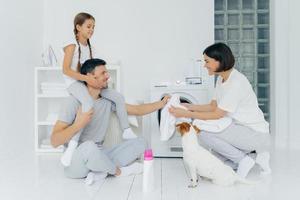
point(245, 181)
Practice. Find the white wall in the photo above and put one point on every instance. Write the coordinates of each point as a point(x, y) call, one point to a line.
point(153, 40)
point(285, 65)
point(294, 100)
point(21, 45)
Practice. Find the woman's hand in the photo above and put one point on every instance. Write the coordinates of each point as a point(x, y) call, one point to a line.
point(187, 105)
point(179, 112)
point(92, 81)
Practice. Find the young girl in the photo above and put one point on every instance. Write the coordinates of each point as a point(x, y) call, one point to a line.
point(76, 52)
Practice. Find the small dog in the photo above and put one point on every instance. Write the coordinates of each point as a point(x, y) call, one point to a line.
point(200, 161)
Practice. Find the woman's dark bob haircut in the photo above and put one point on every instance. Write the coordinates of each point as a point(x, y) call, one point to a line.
point(222, 53)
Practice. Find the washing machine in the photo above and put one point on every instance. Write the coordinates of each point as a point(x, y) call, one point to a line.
point(194, 94)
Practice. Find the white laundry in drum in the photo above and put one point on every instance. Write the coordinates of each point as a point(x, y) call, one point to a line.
point(168, 121)
point(194, 94)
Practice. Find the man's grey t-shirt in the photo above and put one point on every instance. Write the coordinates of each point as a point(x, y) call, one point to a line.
point(97, 127)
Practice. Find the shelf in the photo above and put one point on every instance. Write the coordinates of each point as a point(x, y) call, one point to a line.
point(50, 103)
point(50, 150)
point(46, 123)
point(108, 66)
point(47, 147)
point(48, 68)
point(52, 96)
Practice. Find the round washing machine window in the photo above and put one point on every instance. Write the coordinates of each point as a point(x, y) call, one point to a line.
point(184, 98)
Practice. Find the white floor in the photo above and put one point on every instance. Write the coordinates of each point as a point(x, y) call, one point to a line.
point(25, 175)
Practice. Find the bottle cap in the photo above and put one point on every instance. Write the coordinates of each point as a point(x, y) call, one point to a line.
point(148, 155)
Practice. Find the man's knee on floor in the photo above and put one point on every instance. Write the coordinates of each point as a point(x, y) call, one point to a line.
point(140, 145)
point(75, 172)
point(136, 149)
point(88, 147)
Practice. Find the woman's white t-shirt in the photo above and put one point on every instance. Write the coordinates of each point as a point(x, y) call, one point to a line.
point(84, 55)
point(237, 97)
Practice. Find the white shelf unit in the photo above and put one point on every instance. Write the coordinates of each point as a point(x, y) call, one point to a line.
point(50, 103)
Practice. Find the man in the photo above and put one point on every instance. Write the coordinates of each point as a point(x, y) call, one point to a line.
point(90, 159)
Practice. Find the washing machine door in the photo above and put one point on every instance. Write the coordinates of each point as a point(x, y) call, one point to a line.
point(183, 97)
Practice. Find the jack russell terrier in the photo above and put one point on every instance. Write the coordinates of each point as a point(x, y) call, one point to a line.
point(200, 161)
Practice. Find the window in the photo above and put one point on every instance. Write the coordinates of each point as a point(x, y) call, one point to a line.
point(244, 26)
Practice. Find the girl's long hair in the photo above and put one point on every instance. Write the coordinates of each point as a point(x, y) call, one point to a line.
point(79, 20)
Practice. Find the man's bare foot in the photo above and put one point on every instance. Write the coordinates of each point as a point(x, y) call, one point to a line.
point(132, 169)
point(118, 172)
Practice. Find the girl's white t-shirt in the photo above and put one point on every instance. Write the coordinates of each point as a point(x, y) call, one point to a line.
point(85, 55)
point(237, 97)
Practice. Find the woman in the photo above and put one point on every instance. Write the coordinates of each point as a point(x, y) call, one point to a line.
point(235, 98)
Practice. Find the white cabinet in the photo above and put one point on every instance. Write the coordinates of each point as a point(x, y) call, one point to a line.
point(49, 91)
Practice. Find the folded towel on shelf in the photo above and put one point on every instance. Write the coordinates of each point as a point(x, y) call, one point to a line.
point(55, 93)
point(53, 88)
point(215, 126)
point(53, 85)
